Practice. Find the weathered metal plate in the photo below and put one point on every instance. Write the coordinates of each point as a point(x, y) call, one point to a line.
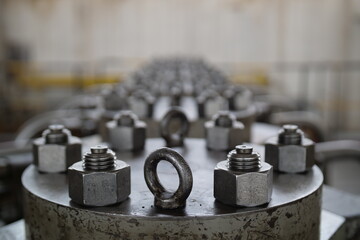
point(293, 213)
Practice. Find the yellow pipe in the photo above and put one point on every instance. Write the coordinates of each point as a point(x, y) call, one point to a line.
point(31, 78)
point(37, 81)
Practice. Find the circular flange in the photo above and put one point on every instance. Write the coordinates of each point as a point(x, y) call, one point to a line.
point(293, 213)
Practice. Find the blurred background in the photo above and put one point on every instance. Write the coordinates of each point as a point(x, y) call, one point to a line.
point(306, 50)
point(299, 57)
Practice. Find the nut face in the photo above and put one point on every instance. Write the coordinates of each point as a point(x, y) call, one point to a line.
point(221, 138)
point(127, 138)
point(246, 189)
point(290, 158)
point(99, 188)
point(142, 103)
point(54, 158)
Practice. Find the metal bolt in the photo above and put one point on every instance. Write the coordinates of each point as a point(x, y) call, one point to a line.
point(126, 118)
point(56, 134)
point(243, 158)
point(224, 119)
point(176, 94)
point(142, 103)
point(290, 128)
point(56, 128)
point(239, 97)
point(290, 151)
point(56, 150)
point(126, 132)
point(114, 98)
point(100, 179)
point(209, 103)
point(223, 132)
point(243, 149)
point(290, 135)
point(248, 181)
point(99, 158)
point(99, 149)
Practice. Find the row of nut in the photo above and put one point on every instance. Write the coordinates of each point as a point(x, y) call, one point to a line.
point(209, 101)
point(100, 179)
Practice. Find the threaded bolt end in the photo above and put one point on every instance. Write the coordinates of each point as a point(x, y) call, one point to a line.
point(242, 158)
point(224, 119)
point(126, 118)
point(56, 134)
point(99, 158)
point(290, 135)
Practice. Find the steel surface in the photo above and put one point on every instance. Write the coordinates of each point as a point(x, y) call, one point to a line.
point(293, 212)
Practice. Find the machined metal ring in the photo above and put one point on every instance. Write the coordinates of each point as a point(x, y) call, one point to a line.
point(174, 139)
point(163, 198)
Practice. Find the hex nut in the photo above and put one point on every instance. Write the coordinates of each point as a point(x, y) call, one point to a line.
point(239, 97)
point(127, 137)
point(99, 187)
point(290, 158)
point(222, 137)
point(92, 188)
point(141, 102)
point(56, 157)
point(243, 180)
point(114, 98)
point(247, 189)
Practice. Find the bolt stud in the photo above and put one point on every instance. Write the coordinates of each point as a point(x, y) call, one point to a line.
point(99, 158)
point(242, 158)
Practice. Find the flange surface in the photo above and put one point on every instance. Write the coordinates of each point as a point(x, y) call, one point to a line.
point(294, 210)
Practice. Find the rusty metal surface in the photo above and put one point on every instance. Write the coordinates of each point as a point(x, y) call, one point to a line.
point(293, 213)
point(331, 228)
